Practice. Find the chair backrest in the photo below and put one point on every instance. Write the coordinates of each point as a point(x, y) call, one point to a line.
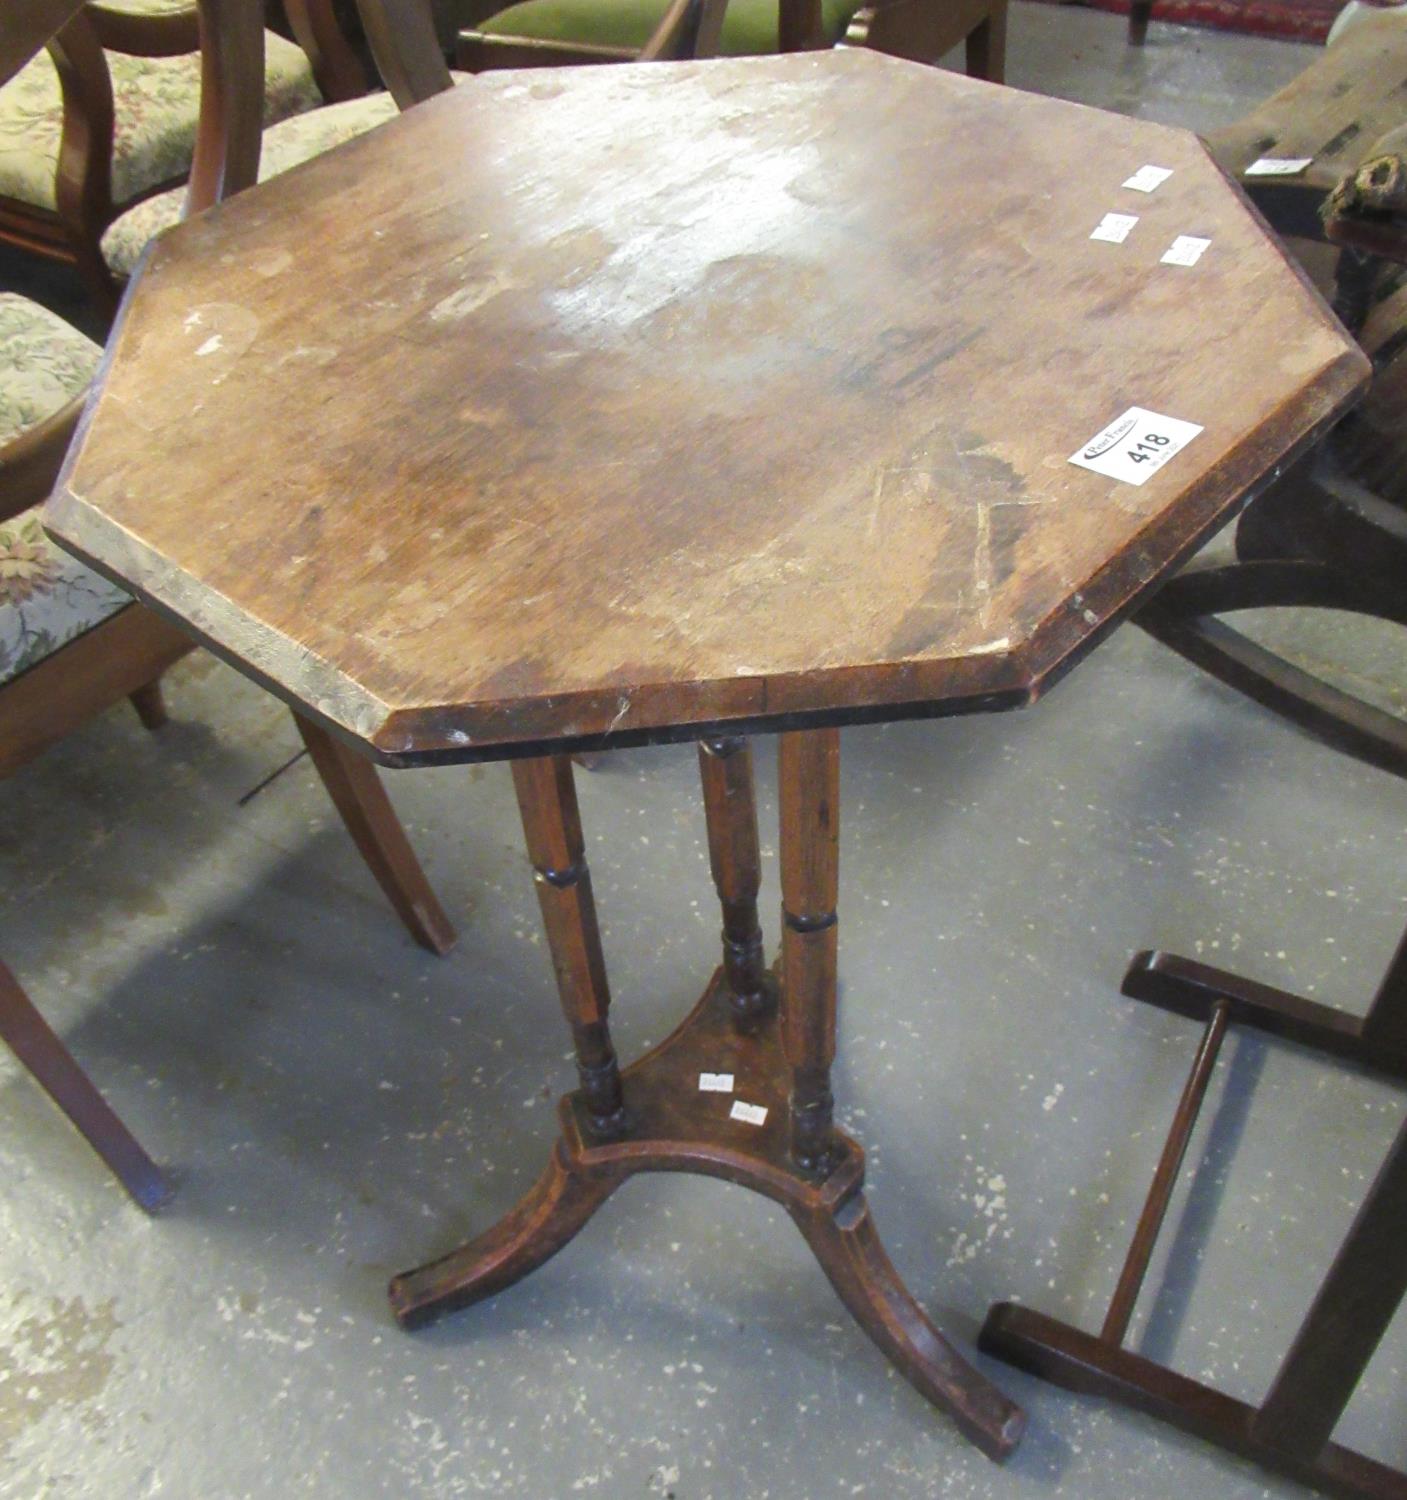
point(406, 49)
point(231, 101)
point(28, 25)
point(226, 160)
point(232, 80)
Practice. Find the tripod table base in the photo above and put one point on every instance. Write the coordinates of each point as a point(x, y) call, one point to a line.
point(671, 1125)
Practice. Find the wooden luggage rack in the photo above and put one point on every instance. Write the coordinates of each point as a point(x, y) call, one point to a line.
point(1290, 1431)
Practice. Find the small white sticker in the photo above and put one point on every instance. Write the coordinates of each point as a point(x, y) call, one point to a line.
point(1147, 178)
point(1277, 166)
point(1114, 228)
point(1134, 446)
point(1185, 250)
point(749, 1114)
point(716, 1083)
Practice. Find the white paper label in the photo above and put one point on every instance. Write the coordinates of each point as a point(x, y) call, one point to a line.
point(1277, 166)
point(1185, 250)
point(1147, 178)
point(749, 1114)
point(716, 1083)
point(1135, 445)
point(1114, 228)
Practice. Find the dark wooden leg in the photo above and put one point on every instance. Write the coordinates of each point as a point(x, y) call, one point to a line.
point(986, 46)
point(571, 1189)
point(1384, 1029)
point(850, 1252)
point(552, 826)
point(725, 766)
point(1349, 1316)
point(53, 1067)
point(1140, 13)
point(809, 792)
point(150, 705)
point(359, 797)
point(552, 1213)
point(843, 1238)
point(657, 1116)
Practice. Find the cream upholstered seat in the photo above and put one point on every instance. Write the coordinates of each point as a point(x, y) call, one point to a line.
point(285, 145)
point(156, 102)
point(46, 597)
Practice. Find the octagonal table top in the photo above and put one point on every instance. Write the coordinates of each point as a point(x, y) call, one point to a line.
point(616, 404)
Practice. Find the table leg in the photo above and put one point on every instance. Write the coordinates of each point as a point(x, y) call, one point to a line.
point(725, 767)
point(656, 1116)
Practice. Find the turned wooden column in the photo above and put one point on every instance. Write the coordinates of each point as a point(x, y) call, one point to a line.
point(730, 805)
point(552, 828)
point(809, 792)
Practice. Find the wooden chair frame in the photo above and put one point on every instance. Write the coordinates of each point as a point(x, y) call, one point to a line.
point(127, 653)
point(917, 29)
point(73, 231)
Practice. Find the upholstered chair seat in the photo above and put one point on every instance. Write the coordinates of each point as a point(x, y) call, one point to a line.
point(46, 597)
point(285, 145)
point(749, 26)
point(156, 103)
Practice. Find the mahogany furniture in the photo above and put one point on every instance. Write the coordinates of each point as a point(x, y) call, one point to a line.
point(713, 400)
point(64, 681)
point(110, 116)
point(561, 33)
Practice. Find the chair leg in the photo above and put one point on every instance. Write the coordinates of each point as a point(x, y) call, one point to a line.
point(986, 46)
point(1184, 615)
point(53, 1068)
point(150, 705)
point(359, 797)
point(1140, 12)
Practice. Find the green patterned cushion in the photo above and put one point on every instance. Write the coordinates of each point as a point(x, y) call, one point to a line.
point(285, 145)
point(749, 26)
point(46, 597)
point(156, 101)
point(44, 362)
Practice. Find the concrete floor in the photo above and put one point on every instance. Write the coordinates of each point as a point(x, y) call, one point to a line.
point(337, 1105)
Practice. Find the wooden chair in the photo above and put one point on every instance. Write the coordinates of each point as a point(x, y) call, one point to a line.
point(538, 33)
point(1330, 534)
point(403, 41)
point(108, 115)
point(71, 645)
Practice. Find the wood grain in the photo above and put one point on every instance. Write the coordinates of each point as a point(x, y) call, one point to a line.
point(689, 401)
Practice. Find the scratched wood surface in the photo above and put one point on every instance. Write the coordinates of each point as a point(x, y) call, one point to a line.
point(622, 401)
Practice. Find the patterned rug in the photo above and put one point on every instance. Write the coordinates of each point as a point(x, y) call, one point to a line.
point(1293, 20)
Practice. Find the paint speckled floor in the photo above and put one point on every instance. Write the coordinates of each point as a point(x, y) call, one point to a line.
point(337, 1105)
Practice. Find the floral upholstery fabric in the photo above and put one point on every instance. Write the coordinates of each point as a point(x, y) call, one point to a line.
point(46, 597)
point(285, 145)
point(156, 103)
point(44, 362)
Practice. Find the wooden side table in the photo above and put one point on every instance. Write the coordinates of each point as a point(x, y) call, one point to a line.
point(708, 400)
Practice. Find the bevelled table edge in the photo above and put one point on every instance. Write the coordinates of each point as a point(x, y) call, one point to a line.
point(610, 718)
